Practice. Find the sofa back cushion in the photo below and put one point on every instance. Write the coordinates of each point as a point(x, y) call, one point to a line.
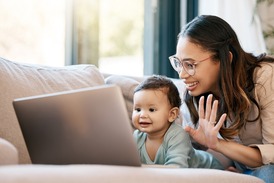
point(22, 80)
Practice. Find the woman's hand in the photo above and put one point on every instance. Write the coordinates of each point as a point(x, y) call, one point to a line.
point(207, 131)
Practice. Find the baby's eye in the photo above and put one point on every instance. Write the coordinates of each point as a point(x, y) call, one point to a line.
point(152, 110)
point(137, 109)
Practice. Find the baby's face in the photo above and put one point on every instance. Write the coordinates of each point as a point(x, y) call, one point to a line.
point(151, 111)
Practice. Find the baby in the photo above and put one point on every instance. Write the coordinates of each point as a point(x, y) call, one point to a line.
point(156, 105)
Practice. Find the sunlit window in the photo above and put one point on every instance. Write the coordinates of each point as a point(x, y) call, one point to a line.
point(108, 34)
point(33, 31)
point(121, 24)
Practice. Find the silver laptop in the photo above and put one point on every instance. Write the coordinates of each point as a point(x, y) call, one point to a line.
point(84, 126)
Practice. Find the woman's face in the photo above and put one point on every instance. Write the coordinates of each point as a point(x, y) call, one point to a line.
point(205, 78)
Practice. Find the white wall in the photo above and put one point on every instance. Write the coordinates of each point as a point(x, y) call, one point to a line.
point(240, 14)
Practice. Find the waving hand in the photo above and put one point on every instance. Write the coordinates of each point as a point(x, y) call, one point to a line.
point(208, 129)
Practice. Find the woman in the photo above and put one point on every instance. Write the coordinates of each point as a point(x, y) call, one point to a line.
point(229, 86)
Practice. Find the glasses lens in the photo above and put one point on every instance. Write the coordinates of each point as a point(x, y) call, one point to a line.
point(189, 67)
point(175, 63)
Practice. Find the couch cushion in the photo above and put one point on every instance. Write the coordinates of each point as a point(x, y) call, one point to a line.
point(117, 174)
point(22, 80)
point(127, 86)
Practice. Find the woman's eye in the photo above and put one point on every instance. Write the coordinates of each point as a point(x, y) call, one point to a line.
point(188, 65)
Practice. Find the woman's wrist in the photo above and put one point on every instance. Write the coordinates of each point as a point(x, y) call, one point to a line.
point(218, 146)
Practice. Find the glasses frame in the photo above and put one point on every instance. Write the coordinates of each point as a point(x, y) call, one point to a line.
point(180, 64)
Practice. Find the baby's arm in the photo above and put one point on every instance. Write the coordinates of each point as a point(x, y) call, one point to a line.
point(178, 147)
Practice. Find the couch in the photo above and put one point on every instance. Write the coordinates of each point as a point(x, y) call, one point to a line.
point(21, 80)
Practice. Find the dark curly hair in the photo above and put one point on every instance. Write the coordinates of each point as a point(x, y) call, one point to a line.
point(158, 82)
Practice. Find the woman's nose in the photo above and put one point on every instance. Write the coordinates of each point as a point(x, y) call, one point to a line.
point(183, 74)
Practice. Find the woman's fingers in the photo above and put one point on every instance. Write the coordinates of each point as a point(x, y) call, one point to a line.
point(221, 121)
point(190, 131)
point(208, 129)
point(201, 107)
point(208, 107)
point(209, 113)
point(213, 113)
point(196, 134)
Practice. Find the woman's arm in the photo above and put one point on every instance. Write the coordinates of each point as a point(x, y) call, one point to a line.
point(206, 134)
point(249, 156)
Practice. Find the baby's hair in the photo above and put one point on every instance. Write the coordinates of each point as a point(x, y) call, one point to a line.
point(158, 82)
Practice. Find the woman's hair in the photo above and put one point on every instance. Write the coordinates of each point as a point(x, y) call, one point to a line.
point(157, 82)
point(235, 82)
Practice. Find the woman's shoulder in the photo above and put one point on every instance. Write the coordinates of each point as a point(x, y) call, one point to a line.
point(265, 71)
point(264, 81)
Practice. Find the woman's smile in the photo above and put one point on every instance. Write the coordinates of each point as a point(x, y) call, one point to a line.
point(191, 86)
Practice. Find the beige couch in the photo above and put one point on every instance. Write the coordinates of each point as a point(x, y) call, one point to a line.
point(21, 80)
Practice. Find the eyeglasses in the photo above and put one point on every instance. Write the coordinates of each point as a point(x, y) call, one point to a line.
point(188, 66)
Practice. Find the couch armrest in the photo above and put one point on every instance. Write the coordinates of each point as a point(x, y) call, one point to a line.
point(8, 153)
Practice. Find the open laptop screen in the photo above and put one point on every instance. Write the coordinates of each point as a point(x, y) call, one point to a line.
point(84, 126)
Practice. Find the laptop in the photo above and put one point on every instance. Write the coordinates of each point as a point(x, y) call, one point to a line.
point(83, 126)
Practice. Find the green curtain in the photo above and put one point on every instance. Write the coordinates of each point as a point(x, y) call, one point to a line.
point(167, 25)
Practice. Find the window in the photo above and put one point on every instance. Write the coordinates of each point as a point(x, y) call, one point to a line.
point(33, 31)
point(109, 34)
point(106, 33)
point(119, 36)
